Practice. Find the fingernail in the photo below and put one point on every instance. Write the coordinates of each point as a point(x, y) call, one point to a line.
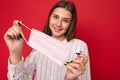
point(78, 53)
point(20, 36)
point(65, 64)
point(14, 37)
point(19, 24)
point(71, 61)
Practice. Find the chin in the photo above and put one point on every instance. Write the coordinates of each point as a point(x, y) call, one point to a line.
point(57, 34)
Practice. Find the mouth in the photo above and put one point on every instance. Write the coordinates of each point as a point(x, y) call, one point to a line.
point(57, 29)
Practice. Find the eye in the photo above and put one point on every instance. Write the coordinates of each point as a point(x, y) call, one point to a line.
point(55, 16)
point(66, 21)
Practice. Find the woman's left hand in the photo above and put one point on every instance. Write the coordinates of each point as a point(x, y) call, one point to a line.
point(76, 67)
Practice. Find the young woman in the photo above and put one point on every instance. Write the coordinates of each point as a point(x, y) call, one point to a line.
point(61, 25)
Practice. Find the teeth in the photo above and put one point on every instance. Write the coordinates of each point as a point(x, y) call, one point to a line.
point(57, 29)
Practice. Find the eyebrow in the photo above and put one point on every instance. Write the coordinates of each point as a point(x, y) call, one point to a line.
point(64, 18)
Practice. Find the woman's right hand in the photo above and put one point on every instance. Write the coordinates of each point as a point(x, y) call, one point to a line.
point(14, 41)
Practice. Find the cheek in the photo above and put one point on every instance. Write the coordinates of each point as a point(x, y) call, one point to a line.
point(66, 27)
point(52, 20)
point(50, 24)
point(49, 21)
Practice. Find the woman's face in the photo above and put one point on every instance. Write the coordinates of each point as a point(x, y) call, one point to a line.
point(60, 20)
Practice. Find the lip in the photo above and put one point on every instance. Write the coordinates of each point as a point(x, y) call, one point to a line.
point(57, 29)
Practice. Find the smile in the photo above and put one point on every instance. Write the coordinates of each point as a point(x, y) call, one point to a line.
point(57, 29)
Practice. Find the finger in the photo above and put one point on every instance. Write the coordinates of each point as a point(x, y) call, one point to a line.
point(80, 61)
point(17, 33)
point(75, 71)
point(20, 23)
point(83, 57)
point(15, 22)
point(17, 25)
point(78, 58)
point(72, 69)
point(75, 65)
point(13, 34)
point(16, 30)
point(9, 34)
point(80, 65)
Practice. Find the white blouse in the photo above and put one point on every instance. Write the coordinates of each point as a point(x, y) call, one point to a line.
point(43, 68)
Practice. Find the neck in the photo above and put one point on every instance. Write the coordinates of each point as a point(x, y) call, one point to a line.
point(59, 38)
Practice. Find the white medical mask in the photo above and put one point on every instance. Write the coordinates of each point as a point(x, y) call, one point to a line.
point(50, 47)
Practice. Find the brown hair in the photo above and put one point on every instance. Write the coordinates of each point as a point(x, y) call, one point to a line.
point(68, 5)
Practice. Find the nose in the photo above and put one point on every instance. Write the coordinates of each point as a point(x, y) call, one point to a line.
point(59, 23)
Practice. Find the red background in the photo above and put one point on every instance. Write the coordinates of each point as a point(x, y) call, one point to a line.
point(98, 25)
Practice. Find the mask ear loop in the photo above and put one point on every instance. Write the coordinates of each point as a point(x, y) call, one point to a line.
point(20, 23)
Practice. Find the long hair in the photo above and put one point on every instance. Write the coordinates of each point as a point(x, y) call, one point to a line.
point(68, 5)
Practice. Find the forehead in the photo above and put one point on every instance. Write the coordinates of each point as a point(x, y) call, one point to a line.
point(62, 12)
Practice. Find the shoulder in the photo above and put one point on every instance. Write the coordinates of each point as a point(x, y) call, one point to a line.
point(78, 45)
point(32, 56)
point(33, 52)
point(78, 41)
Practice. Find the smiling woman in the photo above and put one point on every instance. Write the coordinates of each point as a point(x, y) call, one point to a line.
point(60, 20)
point(60, 25)
point(98, 24)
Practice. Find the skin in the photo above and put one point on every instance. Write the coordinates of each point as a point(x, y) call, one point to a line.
point(76, 67)
point(60, 20)
point(14, 42)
